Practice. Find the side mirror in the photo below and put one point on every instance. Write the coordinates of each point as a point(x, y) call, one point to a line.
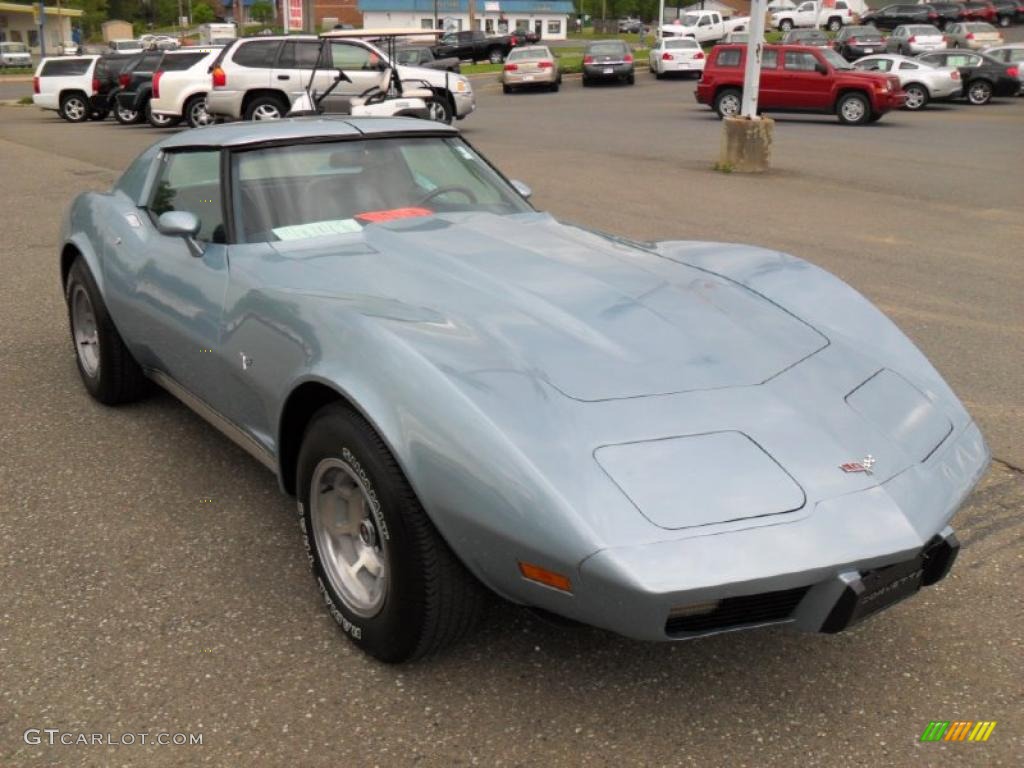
point(522, 188)
point(821, 68)
point(181, 224)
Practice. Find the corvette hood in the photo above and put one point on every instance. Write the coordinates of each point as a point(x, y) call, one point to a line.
point(595, 318)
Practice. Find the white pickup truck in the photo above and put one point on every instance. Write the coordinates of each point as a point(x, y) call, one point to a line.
point(814, 14)
point(704, 26)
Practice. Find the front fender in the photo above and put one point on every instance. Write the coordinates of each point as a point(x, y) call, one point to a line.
point(819, 298)
point(78, 233)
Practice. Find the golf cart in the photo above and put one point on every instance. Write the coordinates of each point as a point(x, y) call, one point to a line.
point(387, 95)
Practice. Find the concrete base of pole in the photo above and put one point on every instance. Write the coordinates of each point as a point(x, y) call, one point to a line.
point(746, 145)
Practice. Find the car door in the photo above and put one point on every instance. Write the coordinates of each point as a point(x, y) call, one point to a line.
point(804, 87)
point(770, 90)
point(172, 292)
point(294, 67)
point(362, 66)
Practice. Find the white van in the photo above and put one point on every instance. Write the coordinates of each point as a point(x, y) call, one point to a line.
point(217, 34)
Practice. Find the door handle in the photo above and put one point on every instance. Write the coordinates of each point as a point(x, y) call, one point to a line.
point(284, 77)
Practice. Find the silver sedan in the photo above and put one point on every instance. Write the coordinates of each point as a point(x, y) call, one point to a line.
point(921, 82)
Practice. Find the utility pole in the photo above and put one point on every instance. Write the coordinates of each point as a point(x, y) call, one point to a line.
point(472, 15)
point(42, 30)
point(286, 13)
point(661, 19)
point(435, 14)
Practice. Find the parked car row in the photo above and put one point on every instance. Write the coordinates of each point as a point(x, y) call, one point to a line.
point(255, 78)
point(943, 14)
point(800, 78)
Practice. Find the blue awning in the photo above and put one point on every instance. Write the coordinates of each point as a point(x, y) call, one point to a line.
point(449, 7)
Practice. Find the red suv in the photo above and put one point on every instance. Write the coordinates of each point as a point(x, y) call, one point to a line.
point(799, 78)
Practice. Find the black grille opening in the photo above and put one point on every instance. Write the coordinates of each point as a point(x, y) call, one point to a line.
point(737, 611)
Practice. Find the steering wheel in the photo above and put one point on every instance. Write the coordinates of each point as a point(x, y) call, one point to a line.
point(468, 194)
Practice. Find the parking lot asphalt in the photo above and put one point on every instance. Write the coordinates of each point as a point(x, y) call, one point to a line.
point(130, 605)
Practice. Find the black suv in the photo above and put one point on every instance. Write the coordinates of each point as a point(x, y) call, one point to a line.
point(892, 16)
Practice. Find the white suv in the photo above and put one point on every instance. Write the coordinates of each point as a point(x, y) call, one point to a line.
point(258, 78)
point(181, 92)
point(66, 84)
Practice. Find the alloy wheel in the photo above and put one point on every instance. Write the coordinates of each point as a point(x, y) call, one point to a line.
point(85, 331)
point(346, 532)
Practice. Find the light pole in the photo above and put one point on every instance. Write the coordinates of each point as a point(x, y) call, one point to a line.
point(752, 73)
point(42, 30)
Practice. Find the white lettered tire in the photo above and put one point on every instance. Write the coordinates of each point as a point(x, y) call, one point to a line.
point(386, 575)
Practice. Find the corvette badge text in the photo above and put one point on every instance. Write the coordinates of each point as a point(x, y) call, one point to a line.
point(958, 730)
point(55, 736)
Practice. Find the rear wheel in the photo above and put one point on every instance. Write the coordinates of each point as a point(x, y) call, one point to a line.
point(1004, 21)
point(853, 109)
point(195, 112)
point(835, 24)
point(728, 102)
point(917, 96)
point(108, 370)
point(385, 573)
point(786, 25)
point(495, 56)
point(979, 92)
point(160, 121)
point(128, 116)
point(266, 108)
point(74, 108)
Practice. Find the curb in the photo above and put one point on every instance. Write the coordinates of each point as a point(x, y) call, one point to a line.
point(15, 78)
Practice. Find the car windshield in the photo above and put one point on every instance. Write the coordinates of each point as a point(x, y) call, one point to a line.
point(13, 48)
point(979, 27)
point(862, 32)
point(690, 20)
point(833, 58)
point(688, 42)
point(311, 190)
point(923, 29)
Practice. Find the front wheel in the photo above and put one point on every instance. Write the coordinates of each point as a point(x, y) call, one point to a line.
point(386, 575)
point(853, 109)
point(495, 56)
point(439, 109)
point(917, 96)
point(1004, 21)
point(835, 24)
point(728, 102)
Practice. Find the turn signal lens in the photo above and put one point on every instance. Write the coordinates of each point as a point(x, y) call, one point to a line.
point(588, 59)
point(124, 79)
point(700, 55)
point(666, 56)
point(545, 65)
point(156, 84)
point(35, 85)
point(219, 78)
point(628, 58)
point(545, 577)
point(1012, 71)
point(511, 67)
point(96, 84)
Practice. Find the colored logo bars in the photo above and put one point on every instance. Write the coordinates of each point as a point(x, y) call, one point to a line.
point(958, 730)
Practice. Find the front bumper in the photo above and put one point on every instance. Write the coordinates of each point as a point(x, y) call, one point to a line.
point(797, 569)
point(465, 104)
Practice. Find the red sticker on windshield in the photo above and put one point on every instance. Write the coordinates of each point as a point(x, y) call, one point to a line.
point(393, 214)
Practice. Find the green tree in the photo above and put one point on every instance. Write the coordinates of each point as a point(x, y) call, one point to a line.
point(261, 11)
point(202, 13)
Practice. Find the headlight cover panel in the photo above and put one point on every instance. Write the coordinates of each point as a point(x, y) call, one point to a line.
point(693, 480)
point(902, 412)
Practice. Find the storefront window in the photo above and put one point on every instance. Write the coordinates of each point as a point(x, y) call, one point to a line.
point(555, 27)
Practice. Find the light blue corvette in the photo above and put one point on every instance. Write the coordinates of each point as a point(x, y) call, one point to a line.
point(469, 397)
